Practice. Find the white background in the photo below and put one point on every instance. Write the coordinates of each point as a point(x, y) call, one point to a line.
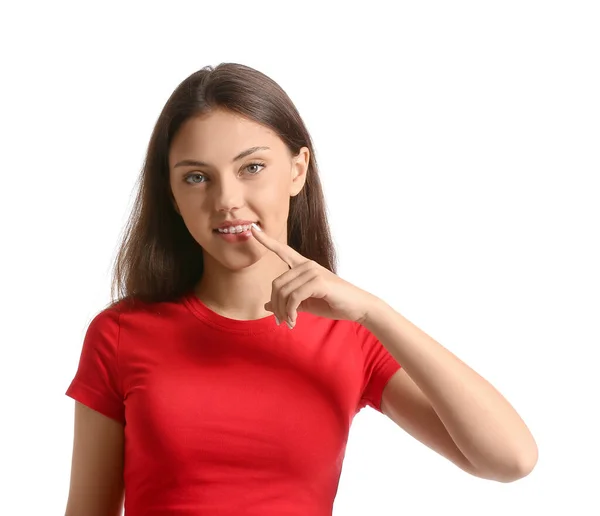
point(459, 150)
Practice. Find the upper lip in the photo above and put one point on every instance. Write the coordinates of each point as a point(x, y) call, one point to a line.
point(236, 222)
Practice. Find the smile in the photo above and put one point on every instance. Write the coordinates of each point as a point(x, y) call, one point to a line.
point(235, 229)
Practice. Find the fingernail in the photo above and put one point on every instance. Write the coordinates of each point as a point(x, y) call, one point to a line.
point(255, 226)
point(290, 326)
point(277, 320)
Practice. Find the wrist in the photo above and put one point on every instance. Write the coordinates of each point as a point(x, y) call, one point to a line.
point(375, 306)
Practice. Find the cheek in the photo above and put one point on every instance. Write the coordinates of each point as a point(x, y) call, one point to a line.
point(273, 202)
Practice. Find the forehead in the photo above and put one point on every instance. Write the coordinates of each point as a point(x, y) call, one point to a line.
point(218, 136)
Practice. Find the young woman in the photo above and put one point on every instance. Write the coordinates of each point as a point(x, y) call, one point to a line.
point(226, 375)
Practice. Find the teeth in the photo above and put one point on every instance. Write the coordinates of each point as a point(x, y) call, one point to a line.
point(234, 229)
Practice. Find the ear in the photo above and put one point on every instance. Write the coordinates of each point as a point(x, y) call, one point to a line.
point(299, 170)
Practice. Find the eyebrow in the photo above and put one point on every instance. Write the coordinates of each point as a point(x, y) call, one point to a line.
point(196, 163)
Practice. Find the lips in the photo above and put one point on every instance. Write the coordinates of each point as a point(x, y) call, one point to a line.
point(236, 222)
point(234, 236)
point(245, 226)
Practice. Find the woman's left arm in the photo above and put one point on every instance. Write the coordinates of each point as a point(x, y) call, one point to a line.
point(483, 425)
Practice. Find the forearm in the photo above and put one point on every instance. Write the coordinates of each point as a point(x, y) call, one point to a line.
point(484, 426)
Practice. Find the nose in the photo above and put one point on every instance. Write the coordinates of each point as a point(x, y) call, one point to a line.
point(228, 194)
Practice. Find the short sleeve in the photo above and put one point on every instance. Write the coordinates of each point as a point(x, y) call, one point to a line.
point(97, 383)
point(378, 368)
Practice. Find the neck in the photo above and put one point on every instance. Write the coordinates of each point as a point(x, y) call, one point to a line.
point(239, 294)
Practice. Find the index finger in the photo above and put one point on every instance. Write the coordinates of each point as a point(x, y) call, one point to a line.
point(289, 255)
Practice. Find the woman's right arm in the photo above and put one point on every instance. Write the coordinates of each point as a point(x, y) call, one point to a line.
point(96, 486)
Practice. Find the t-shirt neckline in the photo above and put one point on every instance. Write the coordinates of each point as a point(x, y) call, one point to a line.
point(220, 322)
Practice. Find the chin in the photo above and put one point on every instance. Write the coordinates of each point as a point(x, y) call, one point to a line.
point(234, 261)
point(237, 265)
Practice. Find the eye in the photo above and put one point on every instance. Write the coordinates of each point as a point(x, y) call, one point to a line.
point(255, 164)
point(193, 175)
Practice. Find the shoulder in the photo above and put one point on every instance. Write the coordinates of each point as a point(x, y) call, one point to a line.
point(131, 306)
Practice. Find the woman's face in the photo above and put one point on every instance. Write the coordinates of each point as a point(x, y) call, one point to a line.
point(256, 187)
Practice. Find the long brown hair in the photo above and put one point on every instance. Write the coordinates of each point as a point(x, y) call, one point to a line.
point(158, 259)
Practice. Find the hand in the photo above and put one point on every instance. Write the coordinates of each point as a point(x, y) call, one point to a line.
point(310, 287)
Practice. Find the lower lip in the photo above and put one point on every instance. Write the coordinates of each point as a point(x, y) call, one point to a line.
point(235, 237)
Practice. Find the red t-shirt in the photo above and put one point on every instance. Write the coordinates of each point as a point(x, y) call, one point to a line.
point(229, 417)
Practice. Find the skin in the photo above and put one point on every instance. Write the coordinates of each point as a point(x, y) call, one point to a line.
point(237, 277)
